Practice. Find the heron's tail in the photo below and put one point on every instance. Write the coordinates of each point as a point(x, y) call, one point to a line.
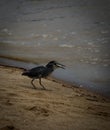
point(26, 73)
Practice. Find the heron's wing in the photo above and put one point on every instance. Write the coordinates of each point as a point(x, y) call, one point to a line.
point(37, 71)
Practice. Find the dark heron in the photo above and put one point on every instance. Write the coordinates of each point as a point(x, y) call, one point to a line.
point(42, 72)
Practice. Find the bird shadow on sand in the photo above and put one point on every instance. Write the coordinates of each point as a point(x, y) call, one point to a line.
point(36, 89)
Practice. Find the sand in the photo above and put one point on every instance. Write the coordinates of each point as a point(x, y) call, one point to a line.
point(60, 107)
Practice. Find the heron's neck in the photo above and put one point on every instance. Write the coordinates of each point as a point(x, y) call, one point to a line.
point(50, 67)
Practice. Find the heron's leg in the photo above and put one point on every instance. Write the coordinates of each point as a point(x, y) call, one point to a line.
point(41, 83)
point(33, 83)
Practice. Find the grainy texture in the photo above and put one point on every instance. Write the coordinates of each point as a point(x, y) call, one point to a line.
point(57, 108)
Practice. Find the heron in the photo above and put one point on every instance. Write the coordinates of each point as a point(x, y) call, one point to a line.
point(42, 72)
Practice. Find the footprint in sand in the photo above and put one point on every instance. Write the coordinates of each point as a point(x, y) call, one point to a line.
point(9, 127)
point(39, 110)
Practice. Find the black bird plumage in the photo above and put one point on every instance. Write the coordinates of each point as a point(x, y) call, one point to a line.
point(42, 72)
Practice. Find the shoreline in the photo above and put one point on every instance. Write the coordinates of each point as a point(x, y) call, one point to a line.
point(64, 83)
point(59, 107)
point(86, 84)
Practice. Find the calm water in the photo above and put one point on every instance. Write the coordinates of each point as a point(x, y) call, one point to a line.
point(75, 33)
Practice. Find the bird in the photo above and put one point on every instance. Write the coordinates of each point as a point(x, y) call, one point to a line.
point(42, 72)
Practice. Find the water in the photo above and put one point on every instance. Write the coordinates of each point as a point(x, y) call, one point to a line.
point(75, 33)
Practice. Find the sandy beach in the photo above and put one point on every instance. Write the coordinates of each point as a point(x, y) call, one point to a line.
point(60, 107)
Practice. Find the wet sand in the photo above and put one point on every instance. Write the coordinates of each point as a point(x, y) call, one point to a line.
point(60, 107)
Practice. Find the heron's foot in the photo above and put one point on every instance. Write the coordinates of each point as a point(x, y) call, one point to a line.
point(43, 88)
point(34, 87)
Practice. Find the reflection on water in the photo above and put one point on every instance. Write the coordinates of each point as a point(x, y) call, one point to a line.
point(75, 33)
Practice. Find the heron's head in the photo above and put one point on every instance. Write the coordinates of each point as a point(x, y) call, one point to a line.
point(54, 65)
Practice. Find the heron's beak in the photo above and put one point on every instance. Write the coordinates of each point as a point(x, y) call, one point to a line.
point(60, 65)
